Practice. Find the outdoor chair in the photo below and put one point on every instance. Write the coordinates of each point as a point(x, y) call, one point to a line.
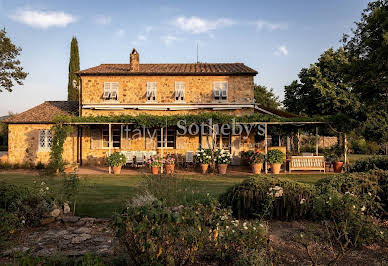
point(189, 159)
point(129, 156)
point(139, 158)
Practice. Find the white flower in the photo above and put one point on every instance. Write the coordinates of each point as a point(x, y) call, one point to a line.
point(381, 233)
point(41, 190)
point(47, 188)
point(23, 222)
point(370, 194)
point(246, 228)
point(302, 201)
point(363, 208)
point(43, 183)
point(354, 206)
point(245, 224)
point(347, 192)
point(34, 181)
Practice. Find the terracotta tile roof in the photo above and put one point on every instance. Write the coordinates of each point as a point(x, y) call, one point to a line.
point(172, 69)
point(44, 113)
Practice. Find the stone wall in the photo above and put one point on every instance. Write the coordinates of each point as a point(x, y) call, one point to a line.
point(23, 145)
point(198, 89)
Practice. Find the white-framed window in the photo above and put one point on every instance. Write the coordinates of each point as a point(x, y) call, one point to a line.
point(151, 92)
point(169, 138)
point(179, 91)
point(220, 90)
point(111, 91)
point(45, 139)
point(116, 138)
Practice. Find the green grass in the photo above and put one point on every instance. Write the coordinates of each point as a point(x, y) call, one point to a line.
point(101, 196)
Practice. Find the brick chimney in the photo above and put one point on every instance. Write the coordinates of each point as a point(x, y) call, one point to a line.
point(134, 61)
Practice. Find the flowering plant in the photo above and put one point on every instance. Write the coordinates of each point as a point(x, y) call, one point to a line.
point(170, 159)
point(256, 158)
point(155, 161)
point(116, 159)
point(222, 156)
point(203, 156)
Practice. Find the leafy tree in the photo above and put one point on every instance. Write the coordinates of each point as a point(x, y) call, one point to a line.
point(368, 54)
point(10, 69)
point(324, 87)
point(266, 97)
point(72, 93)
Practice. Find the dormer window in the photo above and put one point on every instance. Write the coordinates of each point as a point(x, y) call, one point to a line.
point(179, 91)
point(220, 90)
point(151, 92)
point(111, 90)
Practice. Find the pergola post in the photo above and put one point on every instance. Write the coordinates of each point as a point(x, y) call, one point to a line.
point(161, 147)
point(316, 141)
point(110, 144)
point(345, 149)
point(266, 147)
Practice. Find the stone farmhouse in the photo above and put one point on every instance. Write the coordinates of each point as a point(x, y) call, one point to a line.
point(133, 89)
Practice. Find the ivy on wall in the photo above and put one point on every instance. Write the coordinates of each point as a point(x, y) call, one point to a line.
point(153, 121)
point(56, 162)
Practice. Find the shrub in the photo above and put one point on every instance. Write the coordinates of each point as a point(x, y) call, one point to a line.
point(256, 158)
point(160, 235)
point(116, 159)
point(276, 197)
point(203, 156)
point(371, 163)
point(222, 156)
point(155, 160)
point(22, 206)
point(275, 156)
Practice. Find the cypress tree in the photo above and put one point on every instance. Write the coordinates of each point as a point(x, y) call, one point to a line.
point(72, 93)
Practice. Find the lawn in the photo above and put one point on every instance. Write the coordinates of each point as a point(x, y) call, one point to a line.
point(101, 196)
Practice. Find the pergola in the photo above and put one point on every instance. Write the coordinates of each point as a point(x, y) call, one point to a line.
point(266, 126)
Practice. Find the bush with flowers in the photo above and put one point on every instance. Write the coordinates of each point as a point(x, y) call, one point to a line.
point(269, 197)
point(155, 161)
point(196, 234)
point(203, 156)
point(170, 159)
point(23, 206)
point(222, 156)
point(255, 157)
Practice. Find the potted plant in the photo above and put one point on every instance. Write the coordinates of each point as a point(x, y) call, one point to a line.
point(334, 156)
point(222, 159)
point(116, 160)
point(256, 160)
point(155, 162)
point(169, 164)
point(275, 158)
point(203, 157)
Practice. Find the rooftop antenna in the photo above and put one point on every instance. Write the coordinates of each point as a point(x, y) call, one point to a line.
point(197, 53)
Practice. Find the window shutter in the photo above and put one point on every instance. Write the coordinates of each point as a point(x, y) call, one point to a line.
point(95, 138)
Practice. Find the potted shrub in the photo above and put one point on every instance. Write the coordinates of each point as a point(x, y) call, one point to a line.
point(222, 159)
point(155, 162)
point(333, 156)
point(169, 164)
point(275, 158)
point(116, 160)
point(256, 160)
point(203, 157)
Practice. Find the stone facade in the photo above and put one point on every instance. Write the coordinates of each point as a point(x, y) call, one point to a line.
point(23, 145)
point(198, 89)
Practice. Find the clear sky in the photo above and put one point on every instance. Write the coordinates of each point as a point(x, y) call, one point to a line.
point(277, 38)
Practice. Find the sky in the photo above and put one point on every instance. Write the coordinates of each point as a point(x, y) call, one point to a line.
point(276, 38)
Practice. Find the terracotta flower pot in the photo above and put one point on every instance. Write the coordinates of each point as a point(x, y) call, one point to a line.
point(256, 168)
point(169, 168)
point(204, 168)
point(222, 169)
point(338, 166)
point(275, 168)
point(155, 170)
point(116, 170)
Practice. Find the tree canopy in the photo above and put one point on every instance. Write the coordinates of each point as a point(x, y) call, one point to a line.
point(352, 81)
point(266, 97)
point(10, 70)
point(72, 92)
